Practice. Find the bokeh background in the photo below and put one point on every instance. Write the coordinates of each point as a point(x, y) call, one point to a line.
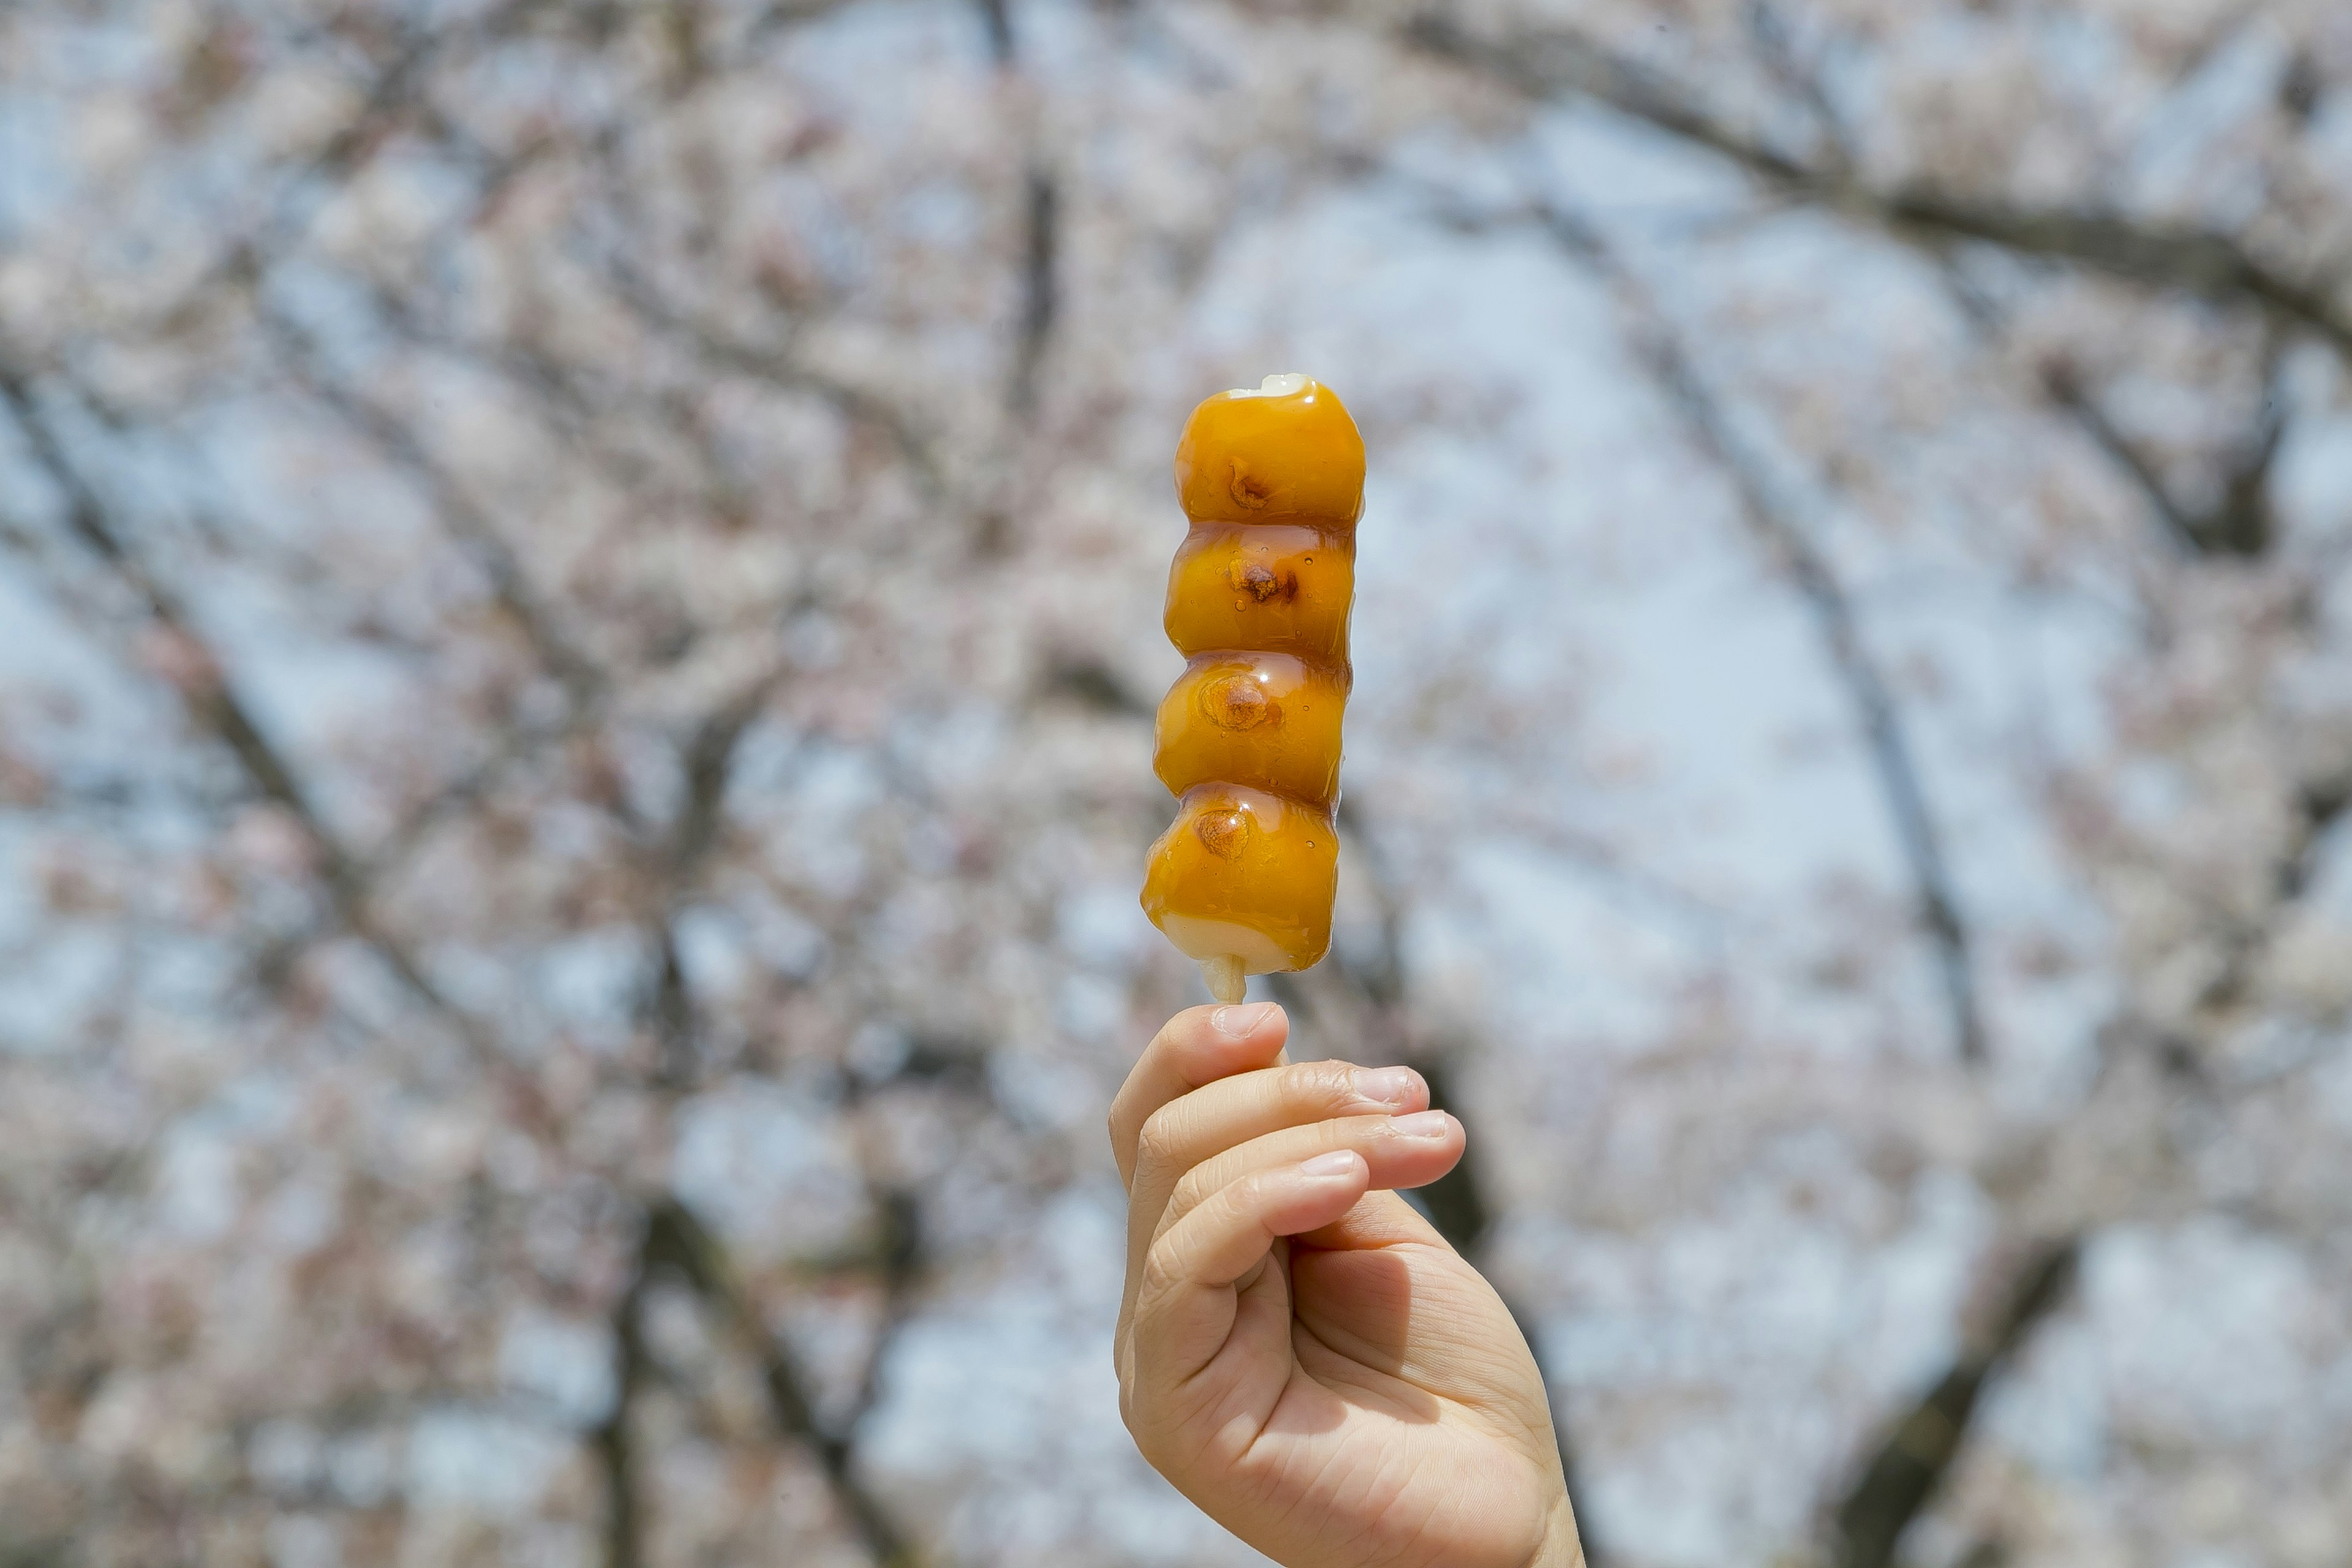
point(579, 613)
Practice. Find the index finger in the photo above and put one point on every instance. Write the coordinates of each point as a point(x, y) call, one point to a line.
point(1198, 1046)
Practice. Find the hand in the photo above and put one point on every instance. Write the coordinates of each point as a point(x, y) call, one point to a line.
point(1299, 1351)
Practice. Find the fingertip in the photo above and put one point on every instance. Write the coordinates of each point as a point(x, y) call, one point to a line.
point(1189, 1052)
point(1334, 1165)
point(1241, 1020)
point(1447, 1161)
point(1433, 1126)
point(1317, 1191)
point(1419, 1149)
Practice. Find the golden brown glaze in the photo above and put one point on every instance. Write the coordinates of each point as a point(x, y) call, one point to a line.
point(1249, 736)
point(1270, 721)
point(1245, 872)
point(1277, 587)
point(1263, 456)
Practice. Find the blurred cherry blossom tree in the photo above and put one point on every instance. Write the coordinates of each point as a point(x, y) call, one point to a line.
point(579, 589)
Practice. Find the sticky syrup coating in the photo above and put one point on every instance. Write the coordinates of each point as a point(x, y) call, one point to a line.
point(1280, 587)
point(1266, 721)
point(1266, 457)
point(1245, 873)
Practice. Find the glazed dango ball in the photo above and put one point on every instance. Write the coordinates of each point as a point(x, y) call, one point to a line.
point(1272, 479)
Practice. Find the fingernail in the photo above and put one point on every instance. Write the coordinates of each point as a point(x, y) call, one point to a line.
point(1386, 1085)
point(1238, 1022)
point(1337, 1163)
point(1420, 1125)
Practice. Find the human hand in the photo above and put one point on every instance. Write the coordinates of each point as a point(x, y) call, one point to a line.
point(1300, 1351)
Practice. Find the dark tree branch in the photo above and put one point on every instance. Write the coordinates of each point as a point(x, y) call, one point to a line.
point(1094, 685)
point(675, 1238)
point(1039, 299)
point(1903, 1473)
point(1769, 30)
point(673, 1011)
point(390, 98)
point(996, 20)
point(788, 14)
point(2242, 522)
point(567, 398)
point(1990, 1551)
point(2319, 805)
point(2065, 389)
point(1040, 231)
point(613, 1441)
point(1776, 523)
point(708, 759)
point(472, 527)
point(710, 756)
point(2239, 522)
point(1553, 63)
point(898, 1257)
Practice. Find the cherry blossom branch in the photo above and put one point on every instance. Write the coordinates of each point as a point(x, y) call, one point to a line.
point(2240, 520)
point(395, 94)
point(1903, 1472)
point(211, 699)
point(1560, 62)
point(675, 1240)
point(779, 368)
point(465, 518)
point(1775, 522)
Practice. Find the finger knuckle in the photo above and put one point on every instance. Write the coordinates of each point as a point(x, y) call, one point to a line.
point(1162, 1136)
point(1161, 1270)
point(1257, 1189)
point(1320, 1086)
point(1189, 1190)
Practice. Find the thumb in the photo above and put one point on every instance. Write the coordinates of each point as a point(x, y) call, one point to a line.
point(1187, 1299)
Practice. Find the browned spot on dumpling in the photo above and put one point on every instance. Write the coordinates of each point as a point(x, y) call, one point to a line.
point(1237, 702)
point(1222, 833)
point(1262, 582)
point(1248, 488)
